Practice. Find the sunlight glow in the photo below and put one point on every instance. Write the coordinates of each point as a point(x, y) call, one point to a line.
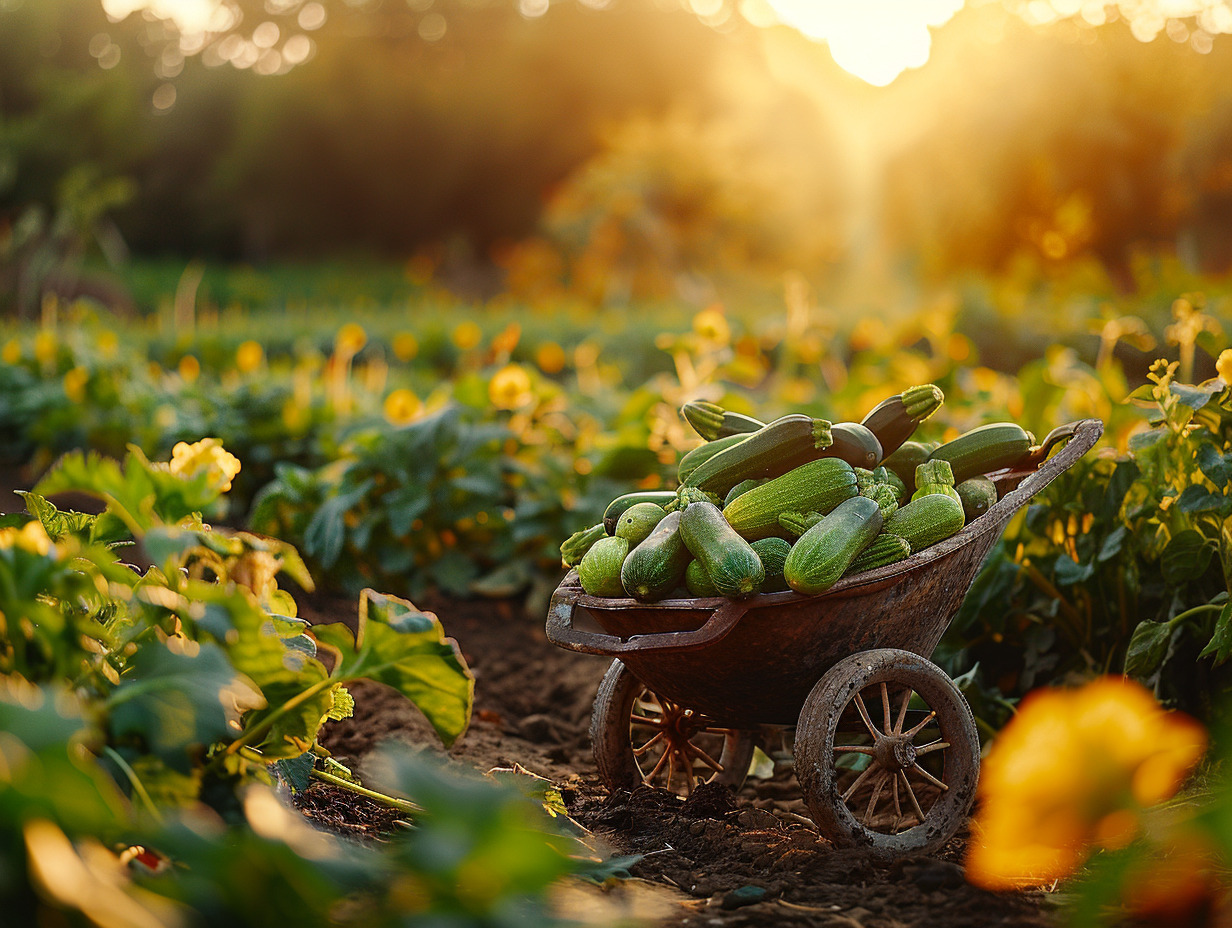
point(190, 16)
point(876, 40)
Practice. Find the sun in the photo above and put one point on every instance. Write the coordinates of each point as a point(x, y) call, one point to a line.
point(876, 40)
point(189, 16)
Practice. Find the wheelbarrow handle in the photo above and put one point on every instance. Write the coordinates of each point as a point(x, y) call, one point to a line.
point(560, 631)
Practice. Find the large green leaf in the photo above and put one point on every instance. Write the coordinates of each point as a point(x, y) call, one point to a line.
point(1221, 639)
point(406, 649)
point(1186, 557)
point(1147, 648)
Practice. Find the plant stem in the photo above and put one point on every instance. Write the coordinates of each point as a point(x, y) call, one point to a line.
point(401, 805)
point(138, 786)
point(1196, 610)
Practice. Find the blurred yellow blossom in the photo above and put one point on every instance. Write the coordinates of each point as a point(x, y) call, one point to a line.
point(75, 381)
point(12, 351)
point(510, 387)
point(45, 347)
point(108, 343)
point(405, 346)
point(30, 537)
point(711, 325)
point(350, 339)
point(1223, 367)
point(1072, 772)
point(466, 335)
point(205, 455)
point(190, 368)
point(248, 357)
point(402, 406)
point(550, 357)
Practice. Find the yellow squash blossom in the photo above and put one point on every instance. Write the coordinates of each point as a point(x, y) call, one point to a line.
point(510, 387)
point(205, 455)
point(12, 352)
point(1223, 367)
point(248, 357)
point(351, 339)
point(466, 335)
point(712, 325)
point(405, 346)
point(30, 537)
point(550, 357)
point(189, 368)
point(75, 381)
point(1072, 772)
point(401, 407)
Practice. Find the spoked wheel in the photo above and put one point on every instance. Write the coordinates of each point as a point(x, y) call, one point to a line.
point(642, 737)
point(887, 754)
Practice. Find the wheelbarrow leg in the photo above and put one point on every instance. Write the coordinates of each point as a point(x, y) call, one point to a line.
point(887, 754)
point(641, 737)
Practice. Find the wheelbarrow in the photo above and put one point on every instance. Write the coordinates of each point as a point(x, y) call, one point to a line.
point(885, 746)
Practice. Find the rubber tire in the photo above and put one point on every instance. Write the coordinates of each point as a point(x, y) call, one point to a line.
point(613, 749)
point(814, 755)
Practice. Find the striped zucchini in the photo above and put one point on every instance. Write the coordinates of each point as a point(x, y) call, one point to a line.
point(773, 554)
point(903, 462)
point(927, 520)
point(885, 549)
point(977, 495)
point(574, 548)
point(638, 521)
point(600, 568)
point(611, 515)
point(797, 523)
point(934, 477)
point(884, 497)
point(711, 421)
point(698, 581)
point(822, 554)
point(884, 475)
point(741, 487)
point(732, 565)
point(894, 419)
point(985, 449)
point(656, 566)
point(784, 444)
point(700, 455)
point(819, 485)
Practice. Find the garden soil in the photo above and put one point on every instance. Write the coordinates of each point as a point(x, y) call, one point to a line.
point(717, 859)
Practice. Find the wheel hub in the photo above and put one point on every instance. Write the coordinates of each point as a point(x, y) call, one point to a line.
point(894, 752)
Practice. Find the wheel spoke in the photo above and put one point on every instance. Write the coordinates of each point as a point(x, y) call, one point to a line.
point(915, 803)
point(872, 729)
point(704, 757)
point(648, 778)
point(648, 745)
point(870, 769)
point(902, 713)
point(934, 746)
point(671, 767)
point(928, 776)
point(932, 714)
point(719, 731)
point(885, 706)
point(898, 809)
point(854, 748)
point(872, 801)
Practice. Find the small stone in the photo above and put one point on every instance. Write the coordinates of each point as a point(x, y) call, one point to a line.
point(758, 820)
point(745, 895)
point(697, 828)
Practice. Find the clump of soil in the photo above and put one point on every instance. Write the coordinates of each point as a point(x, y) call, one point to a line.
point(733, 860)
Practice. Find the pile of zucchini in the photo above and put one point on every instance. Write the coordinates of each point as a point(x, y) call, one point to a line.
point(796, 503)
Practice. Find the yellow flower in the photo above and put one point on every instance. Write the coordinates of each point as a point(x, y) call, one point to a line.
point(466, 335)
point(550, 357)
point(75, 384)
point(1072, 772)
point(510, 387)
point(205, 455)
point(405, 346)
point(401, 407)
point(45, 347)
point(30, 537)
point(190, 368)
point(248, 357)
point(12, 351)
point(711, 325)
point(108, 343)
point(351, 339)
point(1223, 367)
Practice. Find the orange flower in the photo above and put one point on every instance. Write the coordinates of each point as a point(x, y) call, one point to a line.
point(75, 384)
point(189, 368)
point(510, 387)
point(1071, 772)
point(350, 339)
point(1223, 367)
point(550, 357)
point(248, 357)
point(401, 407)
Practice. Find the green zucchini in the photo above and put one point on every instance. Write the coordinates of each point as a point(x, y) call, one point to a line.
point(885, 549)
point(819, 485)
point(977, 495)
point(884, 475)
point(934, 477)
point(903, 462)
point(700, 455)
point(711, 421)
point(894, 419)
point(638, 521)
point(600, 568)
point(741, 487)
point(611, 516)
point(797, 523)
point(822, 554)
point(773, 450)
point(574, 548)
point(855, 444)
point(698, 581)
point(773, 554)
point(985, 449)
point(732, 565)
point(884, 497)
point(927, 520)
point(656, 566)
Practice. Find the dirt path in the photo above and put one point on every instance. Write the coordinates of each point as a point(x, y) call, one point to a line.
point(732, 860)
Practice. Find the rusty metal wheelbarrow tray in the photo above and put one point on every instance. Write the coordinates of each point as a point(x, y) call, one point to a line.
point(749, 662)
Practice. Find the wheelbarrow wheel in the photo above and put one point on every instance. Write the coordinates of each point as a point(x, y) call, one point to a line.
point(640, 737)
point(887, 754)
